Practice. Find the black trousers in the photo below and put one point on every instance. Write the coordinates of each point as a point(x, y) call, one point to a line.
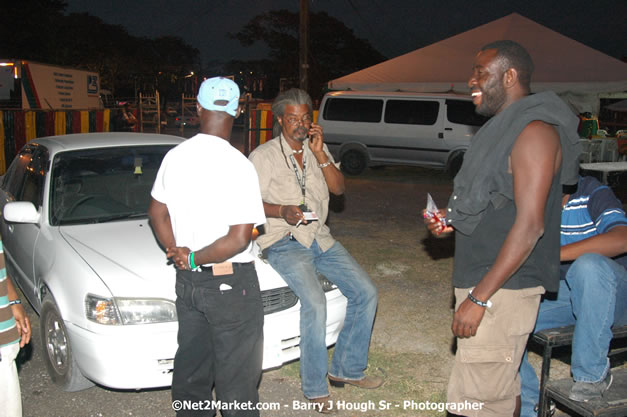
point(220, 340)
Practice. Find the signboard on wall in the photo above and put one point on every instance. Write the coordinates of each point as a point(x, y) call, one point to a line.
point(57, 88)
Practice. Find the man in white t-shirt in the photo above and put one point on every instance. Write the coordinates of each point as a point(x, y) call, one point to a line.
point(205, 203)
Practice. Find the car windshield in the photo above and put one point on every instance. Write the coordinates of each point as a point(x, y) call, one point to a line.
point(101, 185)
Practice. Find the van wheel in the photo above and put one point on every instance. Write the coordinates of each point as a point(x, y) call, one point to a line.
point(60, 362)
point(455, 163)
point(354, 162)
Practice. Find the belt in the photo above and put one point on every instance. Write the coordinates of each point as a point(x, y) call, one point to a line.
point(236, 265)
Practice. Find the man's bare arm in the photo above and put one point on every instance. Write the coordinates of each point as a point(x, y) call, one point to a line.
point(161, 224)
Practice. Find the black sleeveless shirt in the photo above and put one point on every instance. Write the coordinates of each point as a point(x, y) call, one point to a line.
point(475, 253)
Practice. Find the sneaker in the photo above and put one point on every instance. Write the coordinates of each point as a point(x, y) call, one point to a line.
point(585, 391)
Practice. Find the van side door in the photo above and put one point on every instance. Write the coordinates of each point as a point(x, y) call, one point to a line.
point(350, 122)
point(414, 132)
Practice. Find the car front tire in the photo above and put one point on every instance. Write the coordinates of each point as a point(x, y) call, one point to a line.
point(60, 362)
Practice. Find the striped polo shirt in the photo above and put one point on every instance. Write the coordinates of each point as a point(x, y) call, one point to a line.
point(8, 327)
point(592, 210)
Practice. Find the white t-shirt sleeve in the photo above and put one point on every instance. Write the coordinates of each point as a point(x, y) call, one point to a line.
point(158, 188)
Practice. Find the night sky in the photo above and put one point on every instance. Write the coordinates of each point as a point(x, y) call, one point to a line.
point(393, 27)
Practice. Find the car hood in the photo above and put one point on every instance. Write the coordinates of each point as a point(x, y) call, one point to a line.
point(126, 257)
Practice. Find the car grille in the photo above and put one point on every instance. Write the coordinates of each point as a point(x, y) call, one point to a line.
point(278, 299)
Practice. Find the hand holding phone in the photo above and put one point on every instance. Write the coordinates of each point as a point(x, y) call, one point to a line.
point(315, 138)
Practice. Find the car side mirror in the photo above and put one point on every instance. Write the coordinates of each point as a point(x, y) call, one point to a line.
point(21, 212)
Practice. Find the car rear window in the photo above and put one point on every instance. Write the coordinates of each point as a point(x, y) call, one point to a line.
point(353, 110)
point(411, 112)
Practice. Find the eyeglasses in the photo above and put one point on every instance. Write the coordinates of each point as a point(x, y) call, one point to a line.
point(306, 119)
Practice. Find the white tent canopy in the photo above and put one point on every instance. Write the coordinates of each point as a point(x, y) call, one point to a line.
point(575, 71)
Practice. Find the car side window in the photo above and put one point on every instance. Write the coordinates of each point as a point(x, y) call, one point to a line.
point(16, 173)
point(25, 177)
point(463, 112)
point(353, 110)
point(33, 188)
point(411, 112)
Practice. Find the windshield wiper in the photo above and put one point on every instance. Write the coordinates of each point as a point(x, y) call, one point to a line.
point(119, 216)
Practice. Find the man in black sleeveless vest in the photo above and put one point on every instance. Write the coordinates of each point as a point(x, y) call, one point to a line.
point(505, 211)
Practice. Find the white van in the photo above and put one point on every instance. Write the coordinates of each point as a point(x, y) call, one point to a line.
point(366, 128)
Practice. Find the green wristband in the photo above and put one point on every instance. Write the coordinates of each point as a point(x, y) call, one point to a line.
point(192, 265)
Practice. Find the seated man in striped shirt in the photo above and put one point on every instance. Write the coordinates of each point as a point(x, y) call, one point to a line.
point(593, 289)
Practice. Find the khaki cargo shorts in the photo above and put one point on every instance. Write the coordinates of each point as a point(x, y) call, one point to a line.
point(486, 365)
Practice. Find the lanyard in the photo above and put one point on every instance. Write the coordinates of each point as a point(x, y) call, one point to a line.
point(301, 181)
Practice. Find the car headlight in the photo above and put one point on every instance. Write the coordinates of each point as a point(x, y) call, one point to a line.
point(129, 310)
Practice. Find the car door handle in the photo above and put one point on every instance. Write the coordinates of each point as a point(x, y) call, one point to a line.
point(10, 227)
point(448, 128)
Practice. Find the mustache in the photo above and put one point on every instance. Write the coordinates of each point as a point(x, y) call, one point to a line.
point(301, 132)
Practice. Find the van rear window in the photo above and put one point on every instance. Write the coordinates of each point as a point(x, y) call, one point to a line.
point(463, 112)
point(411, 112)
point(353, 110)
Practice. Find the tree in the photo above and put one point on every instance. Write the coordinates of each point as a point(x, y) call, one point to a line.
point(334, 50)
point(25, 27)
point(38, 30)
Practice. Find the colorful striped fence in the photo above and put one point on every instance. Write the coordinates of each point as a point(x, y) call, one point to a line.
point(17, 127)
point(260, 130)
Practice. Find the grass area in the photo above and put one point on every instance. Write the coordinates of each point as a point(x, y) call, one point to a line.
point(405, 392)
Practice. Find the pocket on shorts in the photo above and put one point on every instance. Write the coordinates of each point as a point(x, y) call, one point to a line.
point(486, 373)
point(487, 354)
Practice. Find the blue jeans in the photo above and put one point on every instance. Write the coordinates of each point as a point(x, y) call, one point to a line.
point(299, 266)
point(593, 298)
point(220, 340)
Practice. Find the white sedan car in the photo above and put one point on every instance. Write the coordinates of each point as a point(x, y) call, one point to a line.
point(78, 243)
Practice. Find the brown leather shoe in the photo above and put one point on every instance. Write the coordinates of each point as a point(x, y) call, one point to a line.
point(367, 382)
point(323, 405)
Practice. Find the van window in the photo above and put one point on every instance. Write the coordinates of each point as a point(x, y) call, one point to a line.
point(411, 112)
point(463, 112)
point(353, 110)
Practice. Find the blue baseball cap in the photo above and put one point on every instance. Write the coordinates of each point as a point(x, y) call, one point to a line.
point(214, 91)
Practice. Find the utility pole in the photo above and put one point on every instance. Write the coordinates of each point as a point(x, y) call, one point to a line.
point(303, 44)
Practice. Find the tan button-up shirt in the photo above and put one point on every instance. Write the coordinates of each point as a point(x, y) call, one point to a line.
point(279, 185)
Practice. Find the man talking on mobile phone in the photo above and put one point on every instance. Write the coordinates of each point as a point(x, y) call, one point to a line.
point(296, 173)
